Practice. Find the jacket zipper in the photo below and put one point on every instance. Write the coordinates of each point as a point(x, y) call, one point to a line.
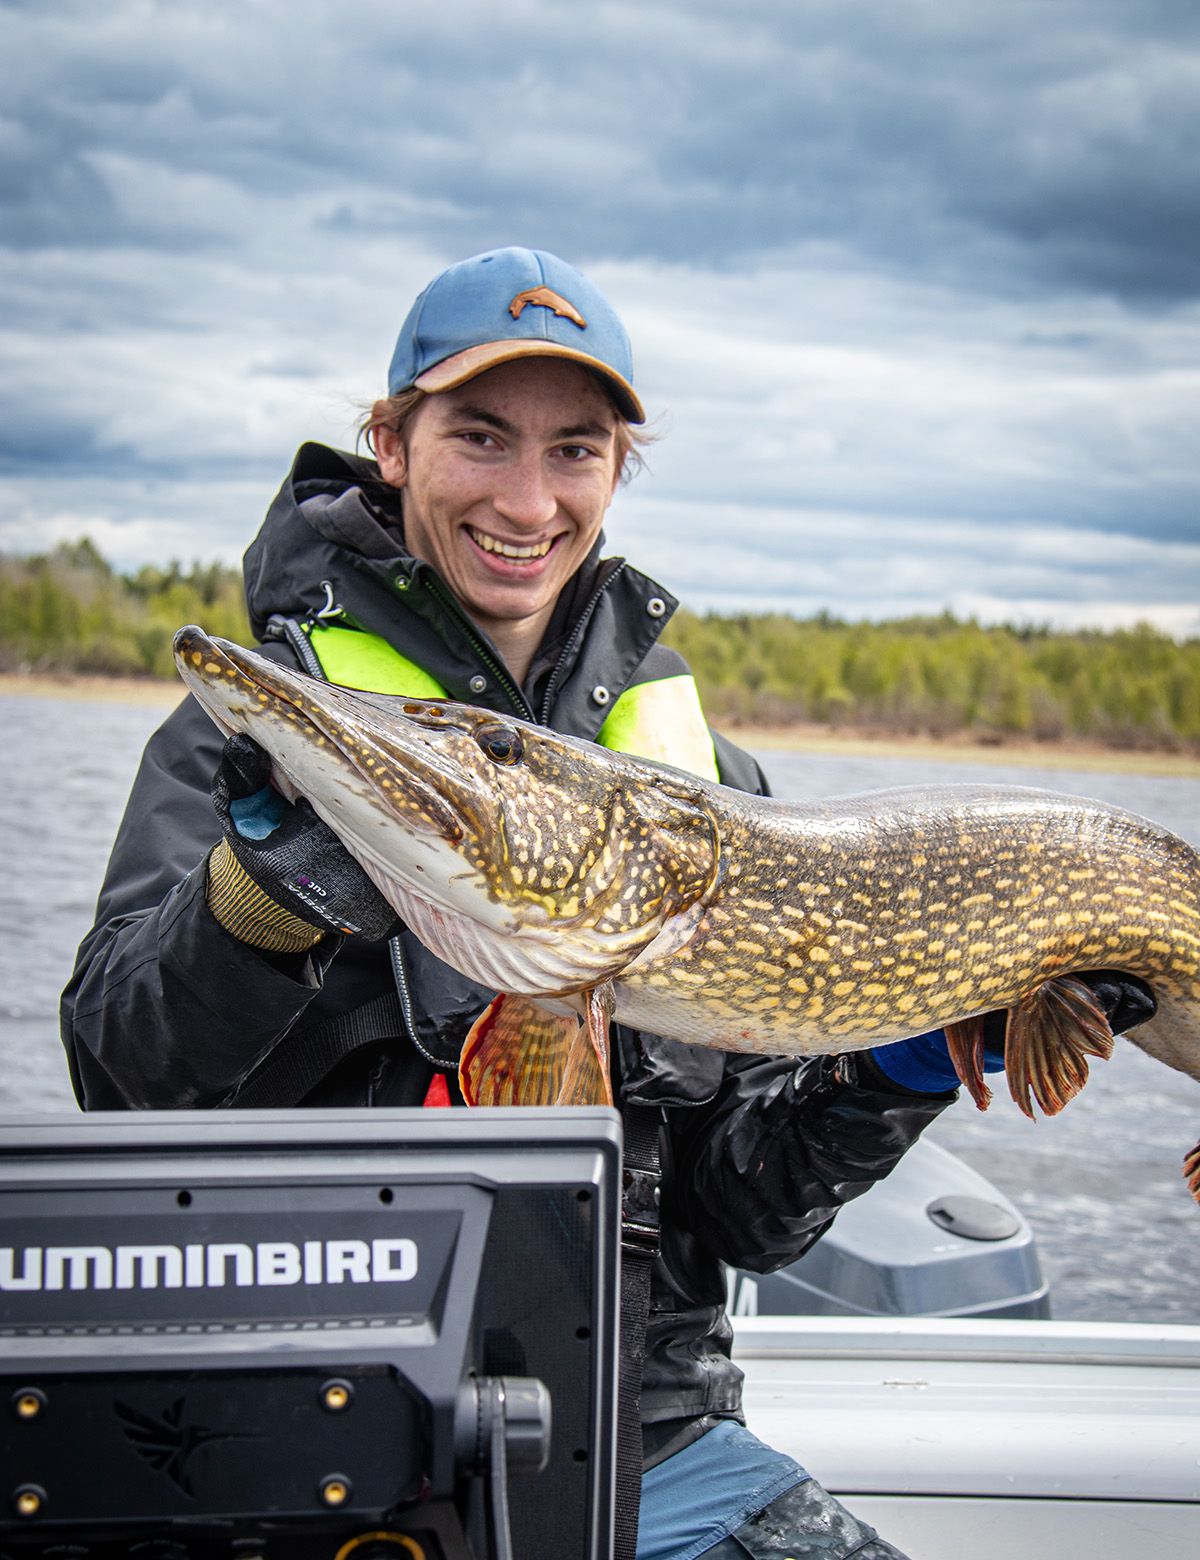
point(515, 697)
point(572, 644)
point(307, 656)
point(400, 980)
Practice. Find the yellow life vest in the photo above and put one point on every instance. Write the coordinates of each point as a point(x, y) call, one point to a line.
point(659, 720)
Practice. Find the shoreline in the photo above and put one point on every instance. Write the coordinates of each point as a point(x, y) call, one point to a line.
point(847, 741)
point(962, 748)
point(87, 689)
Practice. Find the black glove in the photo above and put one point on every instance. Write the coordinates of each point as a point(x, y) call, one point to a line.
point(1126, 1000)
point(288, 853)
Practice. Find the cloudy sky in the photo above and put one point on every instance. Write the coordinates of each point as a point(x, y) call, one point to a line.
point(914, 285)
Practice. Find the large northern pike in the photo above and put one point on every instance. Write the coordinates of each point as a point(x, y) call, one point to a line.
point(584, 884)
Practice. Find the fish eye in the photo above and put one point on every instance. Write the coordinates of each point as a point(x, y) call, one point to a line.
point(502, 744)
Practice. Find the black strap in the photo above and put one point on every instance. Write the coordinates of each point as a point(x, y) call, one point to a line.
point(639, 1248)
point(298, 1063)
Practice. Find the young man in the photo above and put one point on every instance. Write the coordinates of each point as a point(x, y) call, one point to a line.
point(466, 563)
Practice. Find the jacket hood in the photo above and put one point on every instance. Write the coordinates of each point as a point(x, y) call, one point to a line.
point(295, 550)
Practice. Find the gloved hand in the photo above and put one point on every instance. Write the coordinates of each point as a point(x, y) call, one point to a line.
point(1126, 1000)
point(923, 1062)
point(280, 878)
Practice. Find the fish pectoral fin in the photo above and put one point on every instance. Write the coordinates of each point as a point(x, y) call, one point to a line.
point(586, 1080)
point(964, 1041)
point(516, 1053)
point(1051, 1034)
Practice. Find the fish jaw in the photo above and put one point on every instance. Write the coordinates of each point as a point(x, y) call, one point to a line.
point(398, 848)
point(403, 785)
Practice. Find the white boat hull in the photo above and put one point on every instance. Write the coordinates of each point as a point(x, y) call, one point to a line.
point(989, 1440)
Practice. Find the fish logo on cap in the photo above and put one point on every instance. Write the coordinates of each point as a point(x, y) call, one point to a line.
point(544, 298)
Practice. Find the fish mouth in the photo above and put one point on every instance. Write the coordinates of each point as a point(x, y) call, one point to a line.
point(228, 680)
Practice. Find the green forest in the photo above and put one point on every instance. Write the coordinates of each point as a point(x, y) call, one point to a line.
point(1129, 688)
point(69, 611)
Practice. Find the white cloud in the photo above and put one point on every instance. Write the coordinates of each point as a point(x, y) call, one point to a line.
point(727, 557)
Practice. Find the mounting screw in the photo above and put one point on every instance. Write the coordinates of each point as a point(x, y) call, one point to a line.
point(28, 1402)
point(335, 1489)
point(28, 1499)
point(656, 606)
point(337, 1395)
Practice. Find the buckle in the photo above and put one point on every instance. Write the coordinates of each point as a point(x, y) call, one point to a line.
point(639, 1211)
point(639, 1240)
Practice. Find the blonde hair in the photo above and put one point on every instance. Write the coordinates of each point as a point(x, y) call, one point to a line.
point(397, 411)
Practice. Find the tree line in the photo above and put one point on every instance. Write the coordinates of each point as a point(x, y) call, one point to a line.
point(1129, 688)
point(69, 611)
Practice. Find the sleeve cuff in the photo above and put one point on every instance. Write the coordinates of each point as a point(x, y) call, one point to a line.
point(920, 1065)
point(249, 914)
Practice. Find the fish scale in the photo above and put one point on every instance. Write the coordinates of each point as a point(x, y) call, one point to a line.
point(584, 884)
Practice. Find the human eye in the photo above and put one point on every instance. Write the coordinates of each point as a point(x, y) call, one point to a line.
point(576, 452)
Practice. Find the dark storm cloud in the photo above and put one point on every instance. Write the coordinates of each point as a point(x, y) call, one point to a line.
point(1030, 142)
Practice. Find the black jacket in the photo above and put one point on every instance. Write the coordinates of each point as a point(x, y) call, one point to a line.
point(167, 1010)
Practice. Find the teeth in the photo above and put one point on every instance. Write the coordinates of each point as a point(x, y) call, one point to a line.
point(506, 549)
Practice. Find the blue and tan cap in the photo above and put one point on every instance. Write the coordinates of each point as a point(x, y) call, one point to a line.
point(506, 304)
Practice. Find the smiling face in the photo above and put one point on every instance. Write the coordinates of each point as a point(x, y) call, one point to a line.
point(506, 481)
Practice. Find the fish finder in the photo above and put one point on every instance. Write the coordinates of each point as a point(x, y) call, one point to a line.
point(284, 1335)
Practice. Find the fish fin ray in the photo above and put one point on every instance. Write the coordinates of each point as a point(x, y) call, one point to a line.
point(964, 1041)
point(515, 1054)
point(586, 1080)
point(1191, 1172)
point(1051, 1034)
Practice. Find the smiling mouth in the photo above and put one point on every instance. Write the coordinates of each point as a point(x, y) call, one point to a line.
point(492, 544)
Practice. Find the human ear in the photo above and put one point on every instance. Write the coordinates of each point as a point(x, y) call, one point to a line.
point(391, 455)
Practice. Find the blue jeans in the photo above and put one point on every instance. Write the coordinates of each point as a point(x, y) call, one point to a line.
point(805, 1523)
point(728, 1496)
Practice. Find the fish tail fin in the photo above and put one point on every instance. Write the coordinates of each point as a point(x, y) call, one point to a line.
point(964, 1041)
point(1051, 1034)
point(1191, 1172)
point(515, 1054)
point(586, 1080)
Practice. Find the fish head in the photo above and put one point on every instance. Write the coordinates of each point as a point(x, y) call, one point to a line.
point(530, 861)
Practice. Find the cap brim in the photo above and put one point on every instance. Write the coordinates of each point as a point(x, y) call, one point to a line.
point(463, 366)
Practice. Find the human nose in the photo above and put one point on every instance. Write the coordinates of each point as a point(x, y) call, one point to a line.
point(525, 497)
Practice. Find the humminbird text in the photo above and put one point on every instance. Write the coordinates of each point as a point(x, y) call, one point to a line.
point(209, 1266)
